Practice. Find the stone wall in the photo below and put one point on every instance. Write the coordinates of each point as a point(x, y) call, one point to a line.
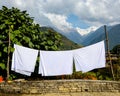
point(59, 87)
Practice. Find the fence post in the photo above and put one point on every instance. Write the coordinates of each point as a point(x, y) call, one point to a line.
point(108, 52)
point(8, 58)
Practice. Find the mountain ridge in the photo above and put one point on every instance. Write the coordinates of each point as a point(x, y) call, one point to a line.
point(67, 43)
point(99, 35)
point(92, 37)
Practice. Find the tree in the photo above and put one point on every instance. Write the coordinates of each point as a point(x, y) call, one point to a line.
point(23, 32)
point(116, 50)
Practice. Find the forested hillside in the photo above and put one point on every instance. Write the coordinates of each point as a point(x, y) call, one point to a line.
point(66, 43)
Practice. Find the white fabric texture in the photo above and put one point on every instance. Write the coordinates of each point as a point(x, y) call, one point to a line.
point(14, 66)
point(24, 60)
point(53, 63)
point(90, 57)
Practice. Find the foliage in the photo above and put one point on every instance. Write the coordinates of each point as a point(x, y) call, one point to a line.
point(104, 74)
point(12, 76)
point(116, 64)
point(23, 32)
point(116, 49)
point(66, 43)
point(117, 69)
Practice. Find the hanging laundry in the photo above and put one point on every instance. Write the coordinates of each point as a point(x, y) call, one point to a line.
point(14, 59)
point(90, 57)
point(53, 63)
point(24, 60)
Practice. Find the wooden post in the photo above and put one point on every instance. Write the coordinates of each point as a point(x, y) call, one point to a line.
point(108, 52)
point(8, 60)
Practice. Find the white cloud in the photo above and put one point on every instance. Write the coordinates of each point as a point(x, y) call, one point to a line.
point(19, 3)
point(59, 21)
point(97, 12)
point(92, 12)
point(59, 6)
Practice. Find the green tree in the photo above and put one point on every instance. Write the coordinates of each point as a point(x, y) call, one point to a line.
point(116, 50)
point(23, 32)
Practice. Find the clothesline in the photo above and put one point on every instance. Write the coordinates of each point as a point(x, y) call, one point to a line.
point(53, 63)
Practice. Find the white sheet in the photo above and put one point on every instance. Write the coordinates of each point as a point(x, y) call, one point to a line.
point(53, 63)
point(24, 60)
point(90, 57)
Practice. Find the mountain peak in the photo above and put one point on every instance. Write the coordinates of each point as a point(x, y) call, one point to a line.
point(86, 31)
point(99, 34)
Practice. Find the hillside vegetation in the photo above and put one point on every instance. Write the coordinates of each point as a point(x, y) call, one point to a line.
point(66, 43)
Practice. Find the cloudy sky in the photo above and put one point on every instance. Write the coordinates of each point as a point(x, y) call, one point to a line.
point(69, 14)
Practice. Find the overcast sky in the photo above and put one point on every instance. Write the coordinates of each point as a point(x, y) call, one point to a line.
point(69, 14)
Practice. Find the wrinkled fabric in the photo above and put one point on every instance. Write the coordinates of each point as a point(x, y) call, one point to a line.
point(90, 57)
point(24, 60)
point(53, 63)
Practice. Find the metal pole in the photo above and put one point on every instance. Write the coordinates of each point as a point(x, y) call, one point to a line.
point(108, 52)
point(8, 60)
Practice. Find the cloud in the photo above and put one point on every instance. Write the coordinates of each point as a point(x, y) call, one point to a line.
point(59, 21)
point(98, 12)
point(58, 6)
point(56, 12)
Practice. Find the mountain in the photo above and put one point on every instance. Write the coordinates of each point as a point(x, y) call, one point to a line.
point(67, 44)
point(72, 34)
point(89, 39)
point(85, 32)
point(76, 35)
point(99, 34)
point(114, 36)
